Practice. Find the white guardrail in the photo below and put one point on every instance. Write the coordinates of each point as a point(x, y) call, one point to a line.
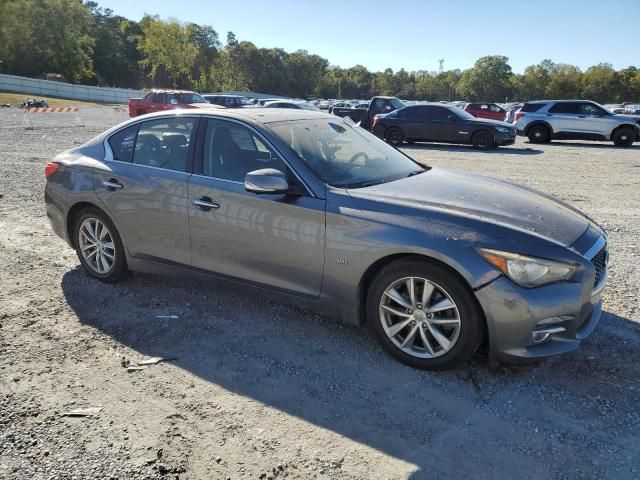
point(48, 88)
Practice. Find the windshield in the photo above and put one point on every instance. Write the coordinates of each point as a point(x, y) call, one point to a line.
point(463, 114)
point(309, 106)
point(190, 98)
point(344, 155)
point(397, 103)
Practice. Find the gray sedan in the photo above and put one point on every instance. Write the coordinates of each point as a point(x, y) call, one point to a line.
point(319, 212)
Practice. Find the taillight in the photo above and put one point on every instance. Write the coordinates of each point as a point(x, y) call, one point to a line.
point(51, 168)
point(519, 115)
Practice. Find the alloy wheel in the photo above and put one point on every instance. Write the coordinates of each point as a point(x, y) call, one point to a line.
point(419, 317)
point(96, 245)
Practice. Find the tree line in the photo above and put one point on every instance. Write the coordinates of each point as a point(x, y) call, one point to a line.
point(82, 42)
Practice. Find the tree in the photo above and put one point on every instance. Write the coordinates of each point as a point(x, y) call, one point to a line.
point(490, 79)
point(564, 82)
point(47, 36)
point(167, 50)
point(116, 57)
point(600, 83)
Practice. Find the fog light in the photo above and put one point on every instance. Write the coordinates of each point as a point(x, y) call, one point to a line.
point(544, 334)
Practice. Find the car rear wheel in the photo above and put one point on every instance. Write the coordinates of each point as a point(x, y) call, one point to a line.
point(424, 315)
point(483, 140)
point(539, 134)
point(394, 136)
point(624, 137)
point(99, 247)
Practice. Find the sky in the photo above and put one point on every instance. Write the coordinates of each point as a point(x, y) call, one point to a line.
point(414, 34)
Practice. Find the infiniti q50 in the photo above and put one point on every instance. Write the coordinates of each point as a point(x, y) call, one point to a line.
point(320, 212)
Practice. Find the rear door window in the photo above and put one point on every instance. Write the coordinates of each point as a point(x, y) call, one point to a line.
point(532, 107)
point(158, 98)
point(165, 143)
point(123, 143)
point(566, 108)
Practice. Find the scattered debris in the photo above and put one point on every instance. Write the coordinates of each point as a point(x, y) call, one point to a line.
point(135, 368)
point(154, 360)
point(83, 412)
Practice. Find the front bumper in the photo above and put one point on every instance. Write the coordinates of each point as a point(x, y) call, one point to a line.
point(514, 313)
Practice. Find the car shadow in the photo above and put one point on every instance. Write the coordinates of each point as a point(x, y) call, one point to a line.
point(331, 375)
point(472, 149)
point(586, 144)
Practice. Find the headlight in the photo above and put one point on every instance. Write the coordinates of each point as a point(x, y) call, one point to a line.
point(503, 129)
point(528, 271)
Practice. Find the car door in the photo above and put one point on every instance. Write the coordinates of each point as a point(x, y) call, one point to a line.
point(432, 124)
point(143, 186)
point(594, 120)
point(266, 239)
point(564, 117)
point(158, 102)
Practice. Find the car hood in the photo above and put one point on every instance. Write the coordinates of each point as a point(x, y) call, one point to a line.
point(626, 116)
point(479, 198)
point(490, 122)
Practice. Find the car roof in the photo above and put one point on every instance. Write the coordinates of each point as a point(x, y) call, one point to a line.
point(257, 115)
point(223, 95)
point(162, 90)
point(558, 101)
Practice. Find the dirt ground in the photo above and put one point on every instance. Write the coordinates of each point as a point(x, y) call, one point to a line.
point(258, 390)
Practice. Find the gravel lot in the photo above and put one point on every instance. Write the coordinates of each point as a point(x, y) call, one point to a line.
point(260, 390)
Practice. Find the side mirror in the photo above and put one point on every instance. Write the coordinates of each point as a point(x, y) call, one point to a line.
point(266, 180)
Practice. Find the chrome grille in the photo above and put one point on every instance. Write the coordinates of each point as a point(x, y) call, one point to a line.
point(599, 261)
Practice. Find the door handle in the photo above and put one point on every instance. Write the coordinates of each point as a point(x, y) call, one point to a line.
point(582, 116)
point(204, 203)
point(112, 184)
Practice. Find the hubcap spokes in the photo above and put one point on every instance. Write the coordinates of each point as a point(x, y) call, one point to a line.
point(96, 245)
point(420, 317)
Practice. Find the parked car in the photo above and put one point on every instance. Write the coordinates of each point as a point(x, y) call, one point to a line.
point(324, 104)
point(228, 101)
point(160, 100)
point(342, 104)
point(298, 105)
point(546, 120)
point(486, 110)
point(377, 106)
point(316, 211)
point(261, 102)
point(442, 123)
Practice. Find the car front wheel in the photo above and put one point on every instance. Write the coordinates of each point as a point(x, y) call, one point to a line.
point(483, 140)
point(394, 136)
point(424, 315)
point(99, 247)
point(624, 137)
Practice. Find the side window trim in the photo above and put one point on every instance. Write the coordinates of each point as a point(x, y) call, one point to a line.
point(199, 151)
point(195, 134)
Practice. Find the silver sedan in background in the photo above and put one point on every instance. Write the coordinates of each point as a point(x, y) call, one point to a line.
point(319, 212)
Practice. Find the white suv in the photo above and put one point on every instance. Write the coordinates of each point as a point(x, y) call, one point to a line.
point(546, 120)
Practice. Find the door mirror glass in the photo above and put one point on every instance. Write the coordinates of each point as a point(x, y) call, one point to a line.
point(266, 180)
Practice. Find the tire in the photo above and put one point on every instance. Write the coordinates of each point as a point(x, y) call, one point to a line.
point(447, 287)
point(108, 245)
point(539, 134)
point(483, 140)
point(394, 136)
point(624, 137)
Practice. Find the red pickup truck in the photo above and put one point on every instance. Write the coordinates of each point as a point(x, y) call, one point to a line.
point(160, 100)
